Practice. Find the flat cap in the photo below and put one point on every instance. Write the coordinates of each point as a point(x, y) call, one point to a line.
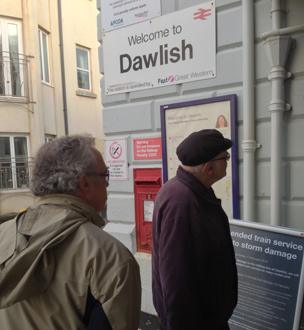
point(200, 147)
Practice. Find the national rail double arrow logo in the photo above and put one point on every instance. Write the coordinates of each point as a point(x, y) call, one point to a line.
point(202, 14)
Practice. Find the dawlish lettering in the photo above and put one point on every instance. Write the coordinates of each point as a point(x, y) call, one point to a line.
point(163, 56)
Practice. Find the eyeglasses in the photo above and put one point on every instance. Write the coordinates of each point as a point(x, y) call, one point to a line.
point(226, 157)
point(106, 175)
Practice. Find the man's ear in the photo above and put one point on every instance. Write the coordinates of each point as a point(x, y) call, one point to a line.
point(84, 183)
point(208, 169)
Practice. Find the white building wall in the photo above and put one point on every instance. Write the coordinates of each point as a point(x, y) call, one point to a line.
point(40, 113)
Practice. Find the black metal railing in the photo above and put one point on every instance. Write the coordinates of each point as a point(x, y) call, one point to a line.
point(13, 74)
point(15, 173)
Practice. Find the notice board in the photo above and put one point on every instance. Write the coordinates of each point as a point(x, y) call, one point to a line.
point(270, 271)
point(178, 120)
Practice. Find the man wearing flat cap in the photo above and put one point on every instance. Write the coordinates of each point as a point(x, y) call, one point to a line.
point(193, 262)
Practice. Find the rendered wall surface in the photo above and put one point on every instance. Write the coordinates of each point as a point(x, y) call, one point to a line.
point(137, 114)
point(41, 113)
point(84, 112)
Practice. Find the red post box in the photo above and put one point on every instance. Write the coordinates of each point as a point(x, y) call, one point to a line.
point(147, 182)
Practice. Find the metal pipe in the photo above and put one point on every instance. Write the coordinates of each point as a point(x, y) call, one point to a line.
point(278, 47)
point(248, 143)
point(63, 82)
point(277, 107)
point(284, 31)
point(276, 14)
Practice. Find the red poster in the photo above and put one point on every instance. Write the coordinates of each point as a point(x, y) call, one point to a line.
point(147, 149)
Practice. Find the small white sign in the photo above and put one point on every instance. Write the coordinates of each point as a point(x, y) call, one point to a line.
point(120, 13)
point(168, 50)
point(116, 159)
point(148, 210)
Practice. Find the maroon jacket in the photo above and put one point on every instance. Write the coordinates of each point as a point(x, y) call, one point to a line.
point(193, 262)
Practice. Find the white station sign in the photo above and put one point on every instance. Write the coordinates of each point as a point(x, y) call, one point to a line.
point(167, 50)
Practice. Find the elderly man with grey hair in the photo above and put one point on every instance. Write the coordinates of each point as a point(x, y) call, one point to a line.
point(59, 269)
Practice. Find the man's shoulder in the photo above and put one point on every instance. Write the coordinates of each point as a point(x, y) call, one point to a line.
point(101, 242)
point(96, 234)
point(175, 196)
point(174, 182)
point(175, 187)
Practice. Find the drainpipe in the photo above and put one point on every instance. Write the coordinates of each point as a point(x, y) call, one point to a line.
point(63, 82)
point(249, 144)
point(277, 48)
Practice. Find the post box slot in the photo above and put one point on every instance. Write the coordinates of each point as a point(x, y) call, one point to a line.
point(148, 180)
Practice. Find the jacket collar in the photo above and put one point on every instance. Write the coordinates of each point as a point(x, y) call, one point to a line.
point(196, 186)
point(74, 203)
point(69, 204)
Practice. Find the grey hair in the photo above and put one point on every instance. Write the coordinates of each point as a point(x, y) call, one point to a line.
point(193, 169)
point(60, 163)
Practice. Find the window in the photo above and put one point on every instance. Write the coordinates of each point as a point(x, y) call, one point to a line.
point(12, 62)
point(49, 138)
point(14, 162)
point(83, 68)
point(44, 56)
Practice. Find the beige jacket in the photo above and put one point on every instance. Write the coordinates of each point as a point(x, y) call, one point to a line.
point(51, 255)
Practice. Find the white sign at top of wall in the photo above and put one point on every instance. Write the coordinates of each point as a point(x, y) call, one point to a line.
point(172, 49)
point(120, 13)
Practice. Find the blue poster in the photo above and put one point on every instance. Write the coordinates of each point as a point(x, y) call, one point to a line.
point(270, 271)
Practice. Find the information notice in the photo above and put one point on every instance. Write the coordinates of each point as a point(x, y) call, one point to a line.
point(178, 120)
point(116, 159)
point(270, 272)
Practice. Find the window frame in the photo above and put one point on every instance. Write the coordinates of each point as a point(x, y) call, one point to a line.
point(5, 57)
point(49, 137)
point(44, 62)
point(88, 52)
point(13, 160)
